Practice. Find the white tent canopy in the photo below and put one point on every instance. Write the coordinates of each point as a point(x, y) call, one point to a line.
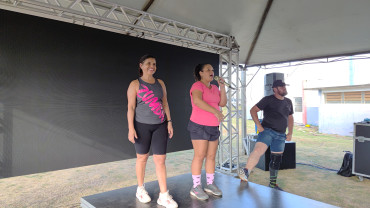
point(293, 30)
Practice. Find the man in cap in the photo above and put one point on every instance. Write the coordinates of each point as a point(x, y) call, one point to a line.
point(277, 116)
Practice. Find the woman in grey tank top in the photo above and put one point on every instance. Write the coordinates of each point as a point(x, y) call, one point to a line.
point(150, 125)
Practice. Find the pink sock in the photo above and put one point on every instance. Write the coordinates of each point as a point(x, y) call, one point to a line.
point(210, 178)
point(196, 180)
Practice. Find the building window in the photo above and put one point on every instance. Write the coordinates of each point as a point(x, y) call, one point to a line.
point(352, 97)
point(298, 104)
point(333, 97)
point(367, 97)
point(347, 97)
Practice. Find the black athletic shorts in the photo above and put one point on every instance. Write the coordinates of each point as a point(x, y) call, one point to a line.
point(155, 135)
point(201, 132)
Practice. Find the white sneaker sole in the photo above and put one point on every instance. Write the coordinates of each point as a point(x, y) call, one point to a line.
point(143, 201)
point(210, 191)
point(193, 194)
point(159, 202)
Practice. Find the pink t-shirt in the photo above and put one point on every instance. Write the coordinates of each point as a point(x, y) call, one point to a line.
point(212, 97)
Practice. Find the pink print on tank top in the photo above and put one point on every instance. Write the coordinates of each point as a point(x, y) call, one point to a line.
point(149, 98)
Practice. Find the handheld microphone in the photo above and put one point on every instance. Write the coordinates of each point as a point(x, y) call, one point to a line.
point(225, 83)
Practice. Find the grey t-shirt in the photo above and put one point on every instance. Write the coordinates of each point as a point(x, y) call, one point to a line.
point(275, 112)
point(149, 108)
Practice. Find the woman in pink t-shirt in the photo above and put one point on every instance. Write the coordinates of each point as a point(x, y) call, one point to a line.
point(206, 100)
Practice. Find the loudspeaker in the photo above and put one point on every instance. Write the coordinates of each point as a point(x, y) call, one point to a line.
point(288, 161)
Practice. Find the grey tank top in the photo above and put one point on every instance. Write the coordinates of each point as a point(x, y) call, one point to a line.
point(149, 108)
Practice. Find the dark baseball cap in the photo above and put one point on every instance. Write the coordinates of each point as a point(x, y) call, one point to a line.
point(278, 83)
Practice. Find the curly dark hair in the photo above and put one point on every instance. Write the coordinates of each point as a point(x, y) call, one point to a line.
point(197, 69)
point(141, 61)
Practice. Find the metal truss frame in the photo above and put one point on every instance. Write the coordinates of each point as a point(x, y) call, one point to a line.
point(112, 17)
point(105, 15)
point(228, 153)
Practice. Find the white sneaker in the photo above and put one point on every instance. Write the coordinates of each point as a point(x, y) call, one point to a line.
point(166, 200)
point(142, 194)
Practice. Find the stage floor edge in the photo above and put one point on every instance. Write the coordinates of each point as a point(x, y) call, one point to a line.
point(236, 193)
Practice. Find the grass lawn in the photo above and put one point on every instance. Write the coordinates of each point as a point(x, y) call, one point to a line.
point(64, 188)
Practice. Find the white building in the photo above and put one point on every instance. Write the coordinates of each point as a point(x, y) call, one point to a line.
point(339, 107)
point(311, 88)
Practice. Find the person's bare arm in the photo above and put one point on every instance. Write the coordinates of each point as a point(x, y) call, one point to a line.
point(166, 109)
point(254, 115)
point(131, 105)
point(223, 100)
point(290, 128)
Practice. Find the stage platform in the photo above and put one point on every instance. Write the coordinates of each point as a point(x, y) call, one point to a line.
point(236, 193)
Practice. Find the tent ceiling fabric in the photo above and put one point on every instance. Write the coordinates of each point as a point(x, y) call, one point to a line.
point(315, 28)
point(293, 30)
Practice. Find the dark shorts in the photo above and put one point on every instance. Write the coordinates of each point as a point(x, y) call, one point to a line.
point(155, 135)
point(201, 132)
point(274, 139)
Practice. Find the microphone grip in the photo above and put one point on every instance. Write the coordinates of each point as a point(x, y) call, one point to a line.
point(225, 83)
point(228, 85)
